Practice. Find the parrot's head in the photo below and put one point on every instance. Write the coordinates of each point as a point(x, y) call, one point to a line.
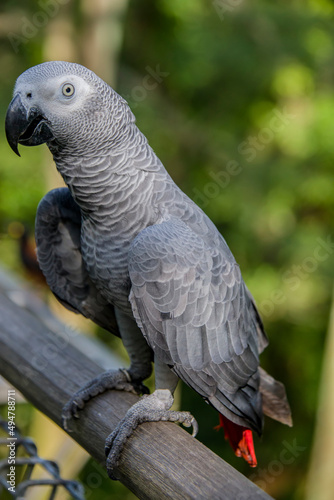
point(65, 105)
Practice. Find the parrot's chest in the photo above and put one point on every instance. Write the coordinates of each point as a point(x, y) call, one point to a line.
point(106, 260)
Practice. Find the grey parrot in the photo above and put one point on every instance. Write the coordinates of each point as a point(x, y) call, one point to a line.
point(125, 247)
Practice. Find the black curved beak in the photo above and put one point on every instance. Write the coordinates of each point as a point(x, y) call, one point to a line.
point(28, 127)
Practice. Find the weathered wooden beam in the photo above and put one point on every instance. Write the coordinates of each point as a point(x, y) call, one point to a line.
point(160, 461)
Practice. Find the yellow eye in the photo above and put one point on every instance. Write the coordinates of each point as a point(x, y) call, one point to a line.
point(67, 89)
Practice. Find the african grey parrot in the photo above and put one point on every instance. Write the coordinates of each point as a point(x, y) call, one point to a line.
point(124, 246)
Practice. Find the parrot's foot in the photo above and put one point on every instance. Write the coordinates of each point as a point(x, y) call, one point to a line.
point(112, 379)
point(151, 408)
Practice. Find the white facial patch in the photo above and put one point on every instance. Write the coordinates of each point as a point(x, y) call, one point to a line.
point(51, 94)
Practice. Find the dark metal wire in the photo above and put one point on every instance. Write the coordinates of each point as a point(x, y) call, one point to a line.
point(32, 459)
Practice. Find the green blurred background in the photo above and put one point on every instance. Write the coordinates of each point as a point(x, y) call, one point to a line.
point(236, 98)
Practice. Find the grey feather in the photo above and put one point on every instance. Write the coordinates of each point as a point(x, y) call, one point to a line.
point(58, 228)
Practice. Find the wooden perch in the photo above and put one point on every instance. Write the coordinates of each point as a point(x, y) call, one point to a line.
point(160, 461)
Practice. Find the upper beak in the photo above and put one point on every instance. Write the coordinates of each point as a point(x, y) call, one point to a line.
point(24, 126)
point(16, 122)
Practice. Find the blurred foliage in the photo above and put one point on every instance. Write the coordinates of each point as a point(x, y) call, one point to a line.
point(239, 109)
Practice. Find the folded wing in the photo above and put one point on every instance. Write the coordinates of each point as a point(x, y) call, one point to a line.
point(195, 311)
point(57, 233)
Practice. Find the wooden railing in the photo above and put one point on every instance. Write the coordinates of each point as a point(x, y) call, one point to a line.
point(160, 461)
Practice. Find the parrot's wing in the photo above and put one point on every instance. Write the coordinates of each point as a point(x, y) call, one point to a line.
point(194, 310)
point(57, 232)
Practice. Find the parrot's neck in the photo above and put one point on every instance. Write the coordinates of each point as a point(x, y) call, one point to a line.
point(114, 183)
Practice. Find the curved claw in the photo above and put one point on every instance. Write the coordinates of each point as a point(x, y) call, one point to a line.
point(190, 421)
point(110, 469)
point(140, 388)
point(67, 414)
point(108, 443)
point(194, 423)
point(70, 410)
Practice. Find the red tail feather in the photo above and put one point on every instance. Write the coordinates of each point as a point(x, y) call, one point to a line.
point(240, 438)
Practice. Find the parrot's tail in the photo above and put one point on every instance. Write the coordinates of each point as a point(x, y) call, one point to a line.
point(240, 438)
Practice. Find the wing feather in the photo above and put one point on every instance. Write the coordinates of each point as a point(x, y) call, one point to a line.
point(198, 316)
